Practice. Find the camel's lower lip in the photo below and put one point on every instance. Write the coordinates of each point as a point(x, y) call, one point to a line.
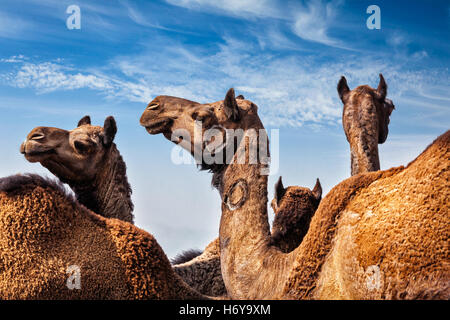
point(157, 126)
point(30, 155)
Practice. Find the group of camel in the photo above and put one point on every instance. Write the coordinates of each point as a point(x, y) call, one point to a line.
point(376, 235)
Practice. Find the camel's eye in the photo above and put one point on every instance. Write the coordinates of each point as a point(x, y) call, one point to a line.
point(153, 106)
point(82, 147)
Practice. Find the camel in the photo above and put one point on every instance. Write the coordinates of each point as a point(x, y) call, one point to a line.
point(294, 208)
point(52, 247)
point(61, 152)
point(365, 119)
point(87, 159)
point(185, 256)
point(376, 235)
point(88, 170)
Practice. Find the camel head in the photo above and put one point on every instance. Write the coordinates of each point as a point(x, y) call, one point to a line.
point(183, 121)
point(293, 207)
point(283, 196)
point(74, 155)
point(365, 95)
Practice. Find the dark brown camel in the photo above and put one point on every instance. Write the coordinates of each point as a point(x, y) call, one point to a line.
point(294, 208)
point(365, 119)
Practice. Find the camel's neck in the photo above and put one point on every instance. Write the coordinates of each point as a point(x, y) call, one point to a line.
point(251, 268)
point(361, 128)
point(109, 194)
point(364, 155)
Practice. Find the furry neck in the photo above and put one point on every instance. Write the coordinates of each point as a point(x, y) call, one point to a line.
point(248, 261)
point(364, 156)
point(109, 193)
point(361, 125)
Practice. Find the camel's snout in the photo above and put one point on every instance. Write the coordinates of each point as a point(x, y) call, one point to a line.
point(22, 147)
point(34, 137)
point(39, 144)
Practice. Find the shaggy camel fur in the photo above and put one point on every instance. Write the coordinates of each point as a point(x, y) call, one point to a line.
point(185, 256)
point(365, 119)
point(203, 272)
point(45, 234)
point(87, 159)
point(380, 234)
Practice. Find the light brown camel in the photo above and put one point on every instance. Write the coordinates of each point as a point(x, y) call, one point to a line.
point(87, 159)
point(378, 235)
point(51, 247)
point(294, 208)
point(365, 119)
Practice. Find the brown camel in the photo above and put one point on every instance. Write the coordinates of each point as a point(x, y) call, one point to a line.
point(294, 208)
point(59, 151)
point(87, 159)
point(377, 235)
point(52, 247)
point(365, 119)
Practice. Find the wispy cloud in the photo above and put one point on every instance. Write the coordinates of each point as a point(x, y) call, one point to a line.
point(290, 90)
point(312, 22)
point(48, 77)
point(14, 59)
point(238, 8)
point(13, 26)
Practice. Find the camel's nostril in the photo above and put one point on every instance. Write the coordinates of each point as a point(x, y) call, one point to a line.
point(153, 106)
point(37, 136)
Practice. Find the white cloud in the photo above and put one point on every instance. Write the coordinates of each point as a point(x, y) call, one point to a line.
point(239, 8)
point(290, 90)
point(14, 59)
point(48, 77)
point(311, 22)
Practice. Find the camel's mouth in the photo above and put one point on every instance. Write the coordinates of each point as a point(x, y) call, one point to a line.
point(158, 126)
point(35, 155)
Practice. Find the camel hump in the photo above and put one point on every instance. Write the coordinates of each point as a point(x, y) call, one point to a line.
point(16, 183)
point(438, 149)
point(186, 256)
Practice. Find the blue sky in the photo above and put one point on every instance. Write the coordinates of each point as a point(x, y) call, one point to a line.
point(286, 56)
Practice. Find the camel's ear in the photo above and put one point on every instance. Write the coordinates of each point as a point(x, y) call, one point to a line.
point(109, 131)
point(317, 191)
point(382, 88)
point(279, 190)
point(84, 120)
point(389, 106)
point(343, 89)
point(230, 106)
point(240, 97)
